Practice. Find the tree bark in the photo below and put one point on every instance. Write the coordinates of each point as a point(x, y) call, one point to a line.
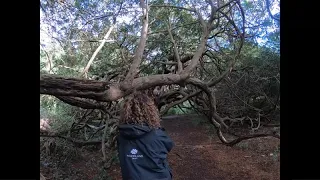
point(139, 52)
point(175, 48)
point(98, 90)
point(106, 91)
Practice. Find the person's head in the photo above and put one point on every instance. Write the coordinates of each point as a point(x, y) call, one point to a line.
point(139, 108)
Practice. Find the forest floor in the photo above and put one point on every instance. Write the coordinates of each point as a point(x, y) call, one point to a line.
point(197, 154)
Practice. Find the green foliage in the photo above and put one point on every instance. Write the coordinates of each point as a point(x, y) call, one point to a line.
point(185, 108)
point(61, 115)
point(75, 24)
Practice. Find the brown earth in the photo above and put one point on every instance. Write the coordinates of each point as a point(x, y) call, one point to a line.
point(199, 154)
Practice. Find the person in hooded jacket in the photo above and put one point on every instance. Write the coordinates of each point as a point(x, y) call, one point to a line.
point(143, 144)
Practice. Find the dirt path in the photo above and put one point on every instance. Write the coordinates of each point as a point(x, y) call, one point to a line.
point(199, 155)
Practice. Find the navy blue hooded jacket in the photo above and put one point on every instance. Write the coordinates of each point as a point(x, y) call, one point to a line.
point(143, 153)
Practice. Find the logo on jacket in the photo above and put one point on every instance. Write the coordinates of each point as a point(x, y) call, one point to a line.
point(134, 154)
point(134, 151)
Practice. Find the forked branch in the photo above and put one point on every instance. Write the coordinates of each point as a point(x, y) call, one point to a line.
point(175, 48)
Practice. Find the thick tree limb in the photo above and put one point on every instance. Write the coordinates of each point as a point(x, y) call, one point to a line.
point(139, 52)
point(211, 83)
point(58, 82)
point(195, 59)
point(98, 90)
point(251, 136)
point(175, 48)
point(74, 101)
point(103, 91)
point(213, 11)
point(99, 96)
point(201, 48)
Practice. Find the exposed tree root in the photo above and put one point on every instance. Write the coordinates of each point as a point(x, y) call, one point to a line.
point(239, 139)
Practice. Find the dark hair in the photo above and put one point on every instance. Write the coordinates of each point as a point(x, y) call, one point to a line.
point(140, 108)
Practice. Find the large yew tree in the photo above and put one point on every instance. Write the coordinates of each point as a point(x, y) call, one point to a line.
point(180, 50)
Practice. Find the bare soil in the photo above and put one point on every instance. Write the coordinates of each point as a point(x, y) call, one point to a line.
point(197, 154)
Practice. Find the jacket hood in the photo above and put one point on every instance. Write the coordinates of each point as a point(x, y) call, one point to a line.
point(130, 131)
